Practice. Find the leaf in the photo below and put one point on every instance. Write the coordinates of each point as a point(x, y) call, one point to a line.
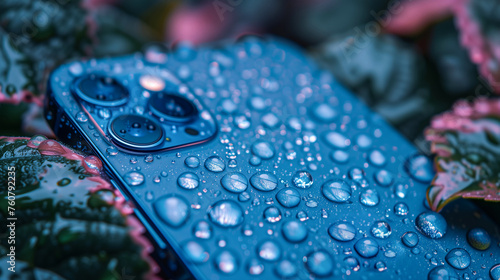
point(70, 222)
point(466, 142)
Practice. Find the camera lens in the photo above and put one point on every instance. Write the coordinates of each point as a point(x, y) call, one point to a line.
point(172, 107)
point(101, 90)
point(136, 132)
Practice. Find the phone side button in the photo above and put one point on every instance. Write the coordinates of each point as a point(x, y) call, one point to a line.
point(159, 243)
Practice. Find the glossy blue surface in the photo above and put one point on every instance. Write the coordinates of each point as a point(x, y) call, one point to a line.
point(285, 131)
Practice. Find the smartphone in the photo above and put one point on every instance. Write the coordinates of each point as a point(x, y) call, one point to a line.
point(244, 160)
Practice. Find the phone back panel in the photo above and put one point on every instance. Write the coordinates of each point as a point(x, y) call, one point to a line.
point(299, 172)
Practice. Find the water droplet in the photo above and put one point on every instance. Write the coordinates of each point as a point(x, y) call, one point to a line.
point(458, 258)
point(255, 267)
point(228, 106)
point(192, 162)
point(302, 179)
point(234, 182)
point(255, 161)
point(383, 178)
point(63, 182)
point(294, 231)
point(202, 230)
point(272, 214)
point(410, 239)
point(288, 197)
point(285, 269)
point(401, 209)
point(380, 266)
point(270, 120)
point(226, 261)
point(366, 247)
point(319, 263)
point(324, 113)
point(269, 251)
point(35, 141)
point(242, 122)
point(264, 181)
point(369, 197)
point(226, 213)
point(336, 140)
point(215, 164)
point(244, 196)
point(257, 103)
point(479, 238)
point(352, 263)
point(363, 141)
point(339, 156)
point(302, 216)
point(195, 252)
point(342, 231)
point(381, 229)
point(76, 69)
point(356, 174)
point(336, 191)
point(172, 209)
point(188, 181)
point(442, 273)
point(262, 149)
point(431, 224)
point(376, 157)
point(400, 191)
point(112, 151)
point(134, 178)
point(495, 272)
point(420, 168)
point(247, 230)
point(81, 117)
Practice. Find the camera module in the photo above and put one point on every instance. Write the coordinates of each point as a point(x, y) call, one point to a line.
point(101, 90)
point(173, 107)
point(136, 132)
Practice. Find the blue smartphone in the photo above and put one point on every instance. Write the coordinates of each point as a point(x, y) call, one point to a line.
point(246, 161)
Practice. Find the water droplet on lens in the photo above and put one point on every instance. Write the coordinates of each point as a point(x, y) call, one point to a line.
point(215, 164)
point(264, 181)
point(479, 238)
point(367, 247)
point(294, 231)
point(410, 239)
point(226, 213)
point(262, 149)
point(458, 258)
point(269, 251)
point(226, 262)
point(336, 191)
point(342, 231)
point(234, 182)
point(302, 179)
point(192, 162)
point(188, 181)
point(134, 178)
point(319, 263)
point(288, 197)
point(369, 197)
point(431, 224)
point(401, 209)
point(285, 269)
point(195, 252)
point(381, 229)
point(172, 209)
point(202, 230)
point(420, 168)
